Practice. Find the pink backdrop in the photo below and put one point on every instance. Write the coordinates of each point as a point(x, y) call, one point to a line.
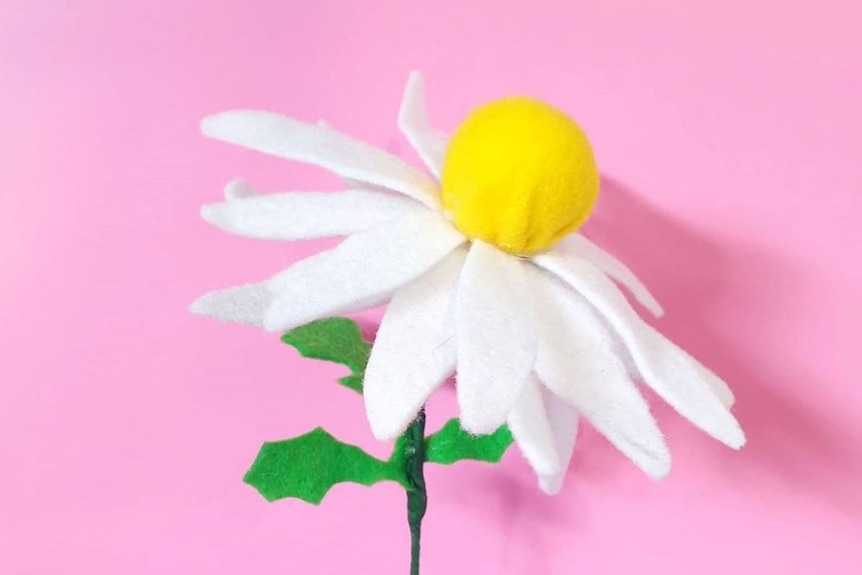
point(729, 139)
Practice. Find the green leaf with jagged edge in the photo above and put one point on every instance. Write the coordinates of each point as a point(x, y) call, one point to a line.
point(334, 339)
point(308, 466)
point(451, 443)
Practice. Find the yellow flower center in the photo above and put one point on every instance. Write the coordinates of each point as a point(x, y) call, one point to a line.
point(519, 174)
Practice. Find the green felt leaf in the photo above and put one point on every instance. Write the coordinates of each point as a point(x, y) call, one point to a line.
point(353, 382)
point(451, 443)
point(306, 467)
point(335, 339)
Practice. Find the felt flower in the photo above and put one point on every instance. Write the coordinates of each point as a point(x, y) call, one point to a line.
point(485, 274)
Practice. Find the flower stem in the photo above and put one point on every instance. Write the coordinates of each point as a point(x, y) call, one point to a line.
point(417, 497)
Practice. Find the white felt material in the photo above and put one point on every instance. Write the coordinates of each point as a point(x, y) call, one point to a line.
point(718, 386)
point(413, 352)
point(695, 392)
point(361, 272)
point(350, 183)
point(244, 304)
point(577, 362)
point(306, 215)
point(495, 340)
point(576, 245)
point(531, 429)
point(564, 423)
point(413, 123)
point(322, 146)
point(236, 189)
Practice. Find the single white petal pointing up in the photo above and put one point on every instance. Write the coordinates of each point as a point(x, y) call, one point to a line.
point(413, 123)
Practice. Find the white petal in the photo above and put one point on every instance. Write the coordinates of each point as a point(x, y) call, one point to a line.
point(349, 183)
point(680, 380)
point(578, 246)
point(236, 189)
point(306, 215)
point(564, 423)
point(361, 272)
point(413, 122)
point(545, 429)
point(532, 431)
point(577, 362)
point(288, 138)
point(246, 304)
point(718, 386)
point(414, 351)
point(495, 337)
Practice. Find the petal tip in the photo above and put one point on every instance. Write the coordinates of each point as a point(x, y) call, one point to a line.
point(475, 426)
point(201, 306)
point(378, 412)
point(415, 82)
point(551, 486)
point(208, 123)
point(655, 462)
point(209, 213)
point(412, 114)
point(238, 188)
point(658, 469)
point(214, 125)
point(729, 432)
point(383, 430)
point(737, 440)
point(218, 216)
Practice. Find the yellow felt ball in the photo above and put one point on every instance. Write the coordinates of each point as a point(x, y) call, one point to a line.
point(519, 174)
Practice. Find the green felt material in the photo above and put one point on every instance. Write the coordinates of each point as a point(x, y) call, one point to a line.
point(335, 339)
point(307, 466)
point(451, 443)
point(353, 382)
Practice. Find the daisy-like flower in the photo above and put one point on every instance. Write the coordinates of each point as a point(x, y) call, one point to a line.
point(485, 275)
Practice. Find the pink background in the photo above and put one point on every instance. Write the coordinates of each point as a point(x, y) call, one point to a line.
point(729, 138)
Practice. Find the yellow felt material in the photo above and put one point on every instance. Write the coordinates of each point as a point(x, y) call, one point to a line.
point(519, 174)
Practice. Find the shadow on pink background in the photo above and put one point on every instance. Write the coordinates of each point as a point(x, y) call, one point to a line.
point(729, 139)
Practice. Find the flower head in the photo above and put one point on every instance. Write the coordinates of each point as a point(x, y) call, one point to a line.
point(519, 175)
point(485, 277)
